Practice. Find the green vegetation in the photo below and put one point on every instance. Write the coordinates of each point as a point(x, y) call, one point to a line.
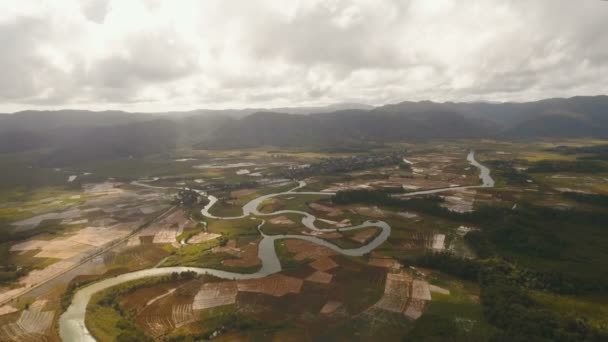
point(593, 199)
point(286, 257)
point(108, 321)
point(508, 305)
point(579, 166)
point(222, 320)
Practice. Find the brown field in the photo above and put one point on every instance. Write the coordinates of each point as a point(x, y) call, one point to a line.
point(32, 325)
point(307, 250)
point(364, 235)
point(320, 277)
point(276, 285)
point(202, 237)
point(384, 262)
point(396, 292)
point(374, 212)
point(323, 235)
point(282, 220)
point(167, 229)
point(415, 308)
point(242, 193)
point(247, 257)
point(323, 264)
point(420, 290)
point(460, 201)
point(326, 209)
point(215, 294)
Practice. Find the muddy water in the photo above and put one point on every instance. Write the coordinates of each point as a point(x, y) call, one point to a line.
point(71, 323)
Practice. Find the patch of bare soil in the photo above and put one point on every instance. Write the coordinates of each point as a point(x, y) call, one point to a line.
point(384, 262)
point(247, 257)
point(438, 242)
point(202, 237)
point(415, 308)
point(460, 201)
point(323, 264)
point(396, 292)
point(276, 285)
point(215, 294)
point(330, 307)
point(33, 325)
point(230, 248)
point(167, 229)
point(307, 250)
point(326, 209)
point(320, 277)
point(364, 235)
point(323, 235)
point(374, 212)
point(281, 220)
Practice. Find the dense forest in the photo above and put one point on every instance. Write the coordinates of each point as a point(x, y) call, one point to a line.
point(523, 249)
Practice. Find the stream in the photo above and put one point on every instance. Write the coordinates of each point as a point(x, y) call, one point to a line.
point(72, 321)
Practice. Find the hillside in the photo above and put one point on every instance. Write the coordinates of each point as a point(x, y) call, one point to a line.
point(79, 132)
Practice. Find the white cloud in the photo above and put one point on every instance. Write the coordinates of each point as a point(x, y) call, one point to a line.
point(162, 55)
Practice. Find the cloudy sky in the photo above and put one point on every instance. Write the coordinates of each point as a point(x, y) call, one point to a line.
point(154, 55)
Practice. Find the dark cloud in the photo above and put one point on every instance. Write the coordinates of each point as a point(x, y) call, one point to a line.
point(96, 10)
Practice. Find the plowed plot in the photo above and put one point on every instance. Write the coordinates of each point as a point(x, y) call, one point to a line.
point(215, 294)
point(247, 257)
point(276, 285)
point(230, 248)
point(32, 325)
point(167, 229)
point(371, 212)
point(438, 242)
point(460, 201)
point(82, 241)
point(396, 293)
point(323, 264)
point(419, 241)
point(356, 285)
point(364, 235)
point(282, 220)
point(329, 210)
point(320, 277)
point(158, 320)
point(307, 250)
point(164, 307)
point(415, 308)
point(420, 290)
point(202, 237)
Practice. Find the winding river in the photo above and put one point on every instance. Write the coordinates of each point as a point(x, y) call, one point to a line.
point(71, 322)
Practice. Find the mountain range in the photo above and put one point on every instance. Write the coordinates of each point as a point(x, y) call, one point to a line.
point(73, 135)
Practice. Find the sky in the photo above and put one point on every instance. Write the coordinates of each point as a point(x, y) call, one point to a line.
point(154, 55)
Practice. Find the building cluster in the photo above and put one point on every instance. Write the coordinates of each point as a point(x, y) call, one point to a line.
point(349, 164)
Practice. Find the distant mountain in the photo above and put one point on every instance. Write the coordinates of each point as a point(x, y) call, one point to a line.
point(508, 116)
point(573, 117)
point(342, 127)
point(79, 134)
point(137, 139)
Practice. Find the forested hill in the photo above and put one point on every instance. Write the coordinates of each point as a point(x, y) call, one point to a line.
point(573, 117)
point(81, 134)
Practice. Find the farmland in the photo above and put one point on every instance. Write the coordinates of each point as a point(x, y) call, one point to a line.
point(61, 237)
